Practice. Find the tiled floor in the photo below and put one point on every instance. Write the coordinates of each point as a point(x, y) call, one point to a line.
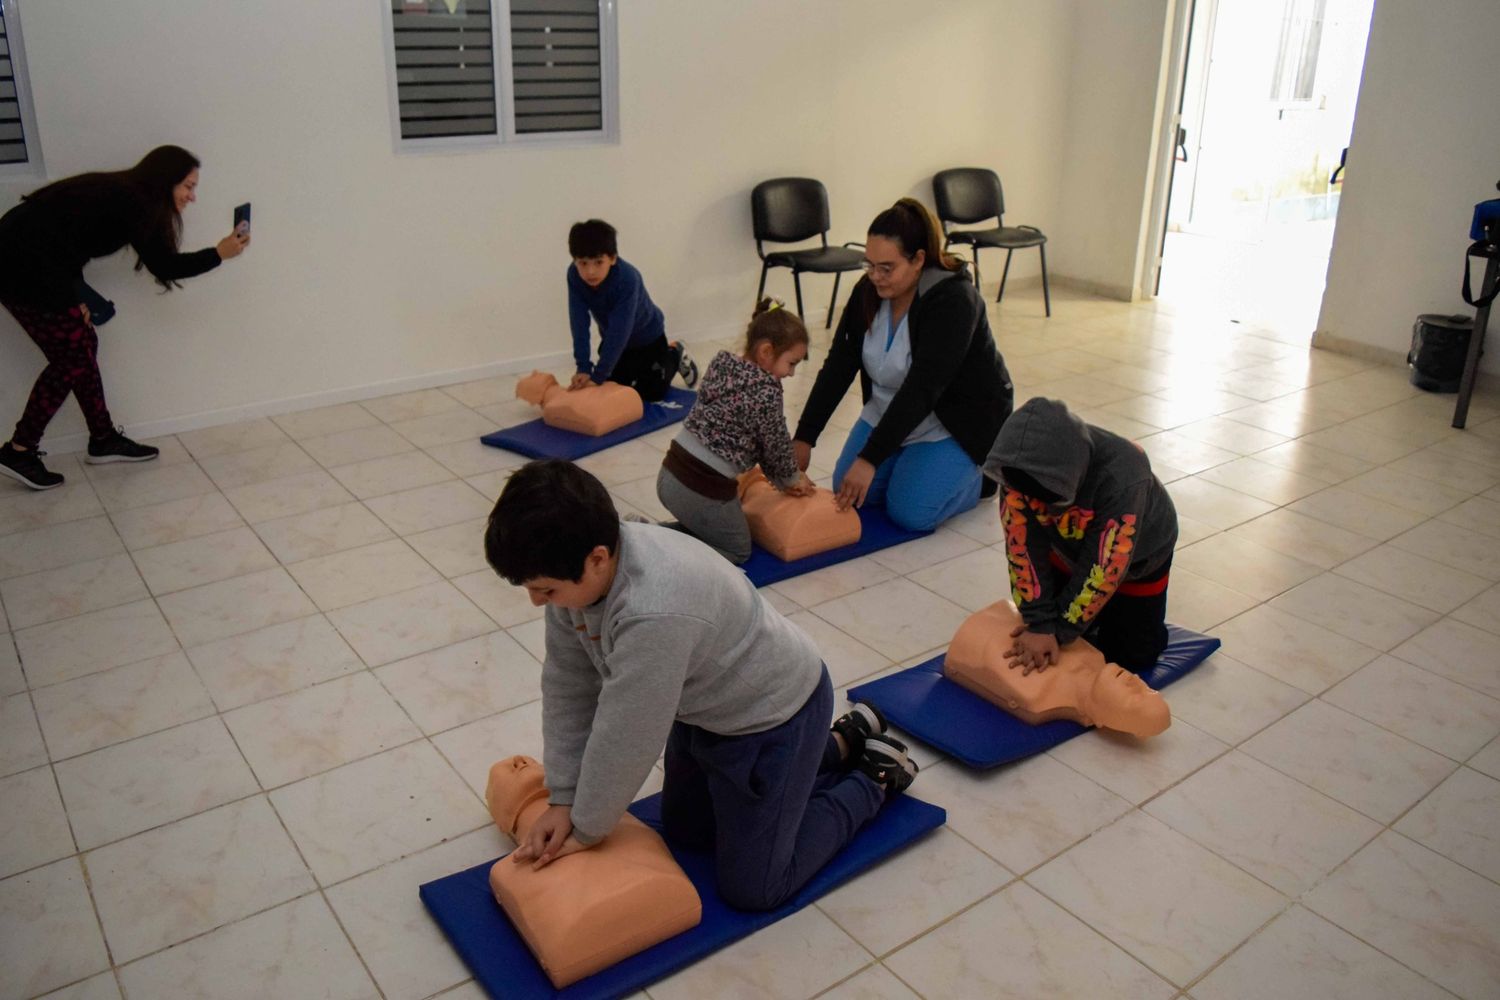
point(249, 693)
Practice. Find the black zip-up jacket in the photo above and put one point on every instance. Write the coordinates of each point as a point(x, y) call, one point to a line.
point(46, 240)
point(956, 371)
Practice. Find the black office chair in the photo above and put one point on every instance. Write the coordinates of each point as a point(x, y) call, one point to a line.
point(967, 195)
point(790, 210)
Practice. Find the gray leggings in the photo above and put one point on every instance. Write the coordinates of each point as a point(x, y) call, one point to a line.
point(719, 523)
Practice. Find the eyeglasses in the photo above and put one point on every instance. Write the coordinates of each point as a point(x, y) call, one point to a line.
point(879, 270)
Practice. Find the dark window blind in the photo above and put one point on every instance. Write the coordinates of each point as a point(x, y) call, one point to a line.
point(554, 46)
point(445, 68)
point(12, 133)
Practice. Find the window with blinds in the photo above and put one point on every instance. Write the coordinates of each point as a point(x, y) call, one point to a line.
point(476, 72)
point(12, 124)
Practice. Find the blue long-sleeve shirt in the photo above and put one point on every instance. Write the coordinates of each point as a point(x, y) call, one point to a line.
point(624, 311)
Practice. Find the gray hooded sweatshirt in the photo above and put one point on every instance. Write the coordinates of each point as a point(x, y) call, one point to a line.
point(1112, 524)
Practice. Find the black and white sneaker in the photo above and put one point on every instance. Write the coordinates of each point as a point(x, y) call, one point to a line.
point(687, 367)
point(116, 447)
point(26, 467)
point(858, 724)
point(885, 762)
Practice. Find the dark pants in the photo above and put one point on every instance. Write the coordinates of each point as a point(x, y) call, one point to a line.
point(648, 370)
point(1131, 629)
point(71, 347)
point(773, 806)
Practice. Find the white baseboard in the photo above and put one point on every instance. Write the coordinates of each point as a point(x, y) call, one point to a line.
point(1486, 382)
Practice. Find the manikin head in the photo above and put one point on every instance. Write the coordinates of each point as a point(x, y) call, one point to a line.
point(1121, 701)
point(516, 785)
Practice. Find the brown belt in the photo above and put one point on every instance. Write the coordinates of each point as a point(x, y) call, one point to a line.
point(698, 476)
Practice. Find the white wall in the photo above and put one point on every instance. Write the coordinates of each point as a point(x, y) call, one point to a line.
point(373, 269)
point(1426, 147)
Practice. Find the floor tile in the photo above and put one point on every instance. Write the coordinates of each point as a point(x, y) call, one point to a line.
point(60, 651)
point(471, 458)
point(896, 618)
point(33, 826)
point(641, 494)
point(1419, 705)
point(390, 474)
point(58, 545)
point(1304, 538)
point(1301, 956)
point(800, 955)
point(1487, 760)
point(1413, 578)
point(295, 950)
point(358, 444)
point(453, 551)
point(186, 878)
point(1279, 830)
point(325, 420)
point(1231, 701)
point(622, 463)
point(318, 728)
point(1308, 460)
point(972, 581)
point(230, 607)
point(1366, 768)
point(402, 946)
point(1458, 821)
point(1177, 909)
point(271, 661)
point(362, 574)
point(1476, 514)
point(1215, 505)
point(1483, 611)
point(411, 622)
point(1299, 652)
point(443, 428)
point(133, 786)
point(1263, 480)
point(874, 983)
point(848, 659)
point(812, 589)
point(473, 748)
point(176, 520)
point(1360, 444)
point(208, 559)
point(1457, 651)
point(1450, 470)
point(1244, 565)
point(51, 937)
point(119, 704)
point(429, 507)
point(257, 465)
point(508, 605)
point(1344, 508)
point(72, 590)
point(485, 391)
point(1413, 493)
point(934, 879)
point(1199, 603)
point(24, 510)
point(227, 439)
point(1451, 545)
point(1137, 769)
point(1179, 451)
point(411, 405)
point(100, 987)
point(322, 532)
point(1225, 432)
point(21, 744)
point(362, 815)
point(295, 494)
point(12, 678)
point(468, 680)
point(1355, 611)
point(144, 486)
point(1022, 814)
point(1421, 909)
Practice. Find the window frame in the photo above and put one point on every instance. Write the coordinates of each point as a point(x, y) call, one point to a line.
point(32, 166)
point(505, 134)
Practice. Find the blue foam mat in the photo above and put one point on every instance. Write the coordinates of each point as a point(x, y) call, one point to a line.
point(958, 722)
point(487, 941)
point(877, 531)
point(536, 440)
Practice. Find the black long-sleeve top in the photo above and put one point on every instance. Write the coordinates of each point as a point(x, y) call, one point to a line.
point(47, 239)
point(956, 371)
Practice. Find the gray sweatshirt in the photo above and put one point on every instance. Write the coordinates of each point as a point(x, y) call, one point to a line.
point(681, 634)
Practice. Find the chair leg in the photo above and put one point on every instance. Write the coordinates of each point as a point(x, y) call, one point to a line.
point(760, 292)
point(797, 283)
point(1046, 293)
point(833, 299)
point(1005, 274)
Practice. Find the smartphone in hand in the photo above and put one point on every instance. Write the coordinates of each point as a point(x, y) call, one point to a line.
point(242, 219)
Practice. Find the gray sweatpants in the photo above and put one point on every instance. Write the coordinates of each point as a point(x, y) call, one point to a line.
point(719, 523)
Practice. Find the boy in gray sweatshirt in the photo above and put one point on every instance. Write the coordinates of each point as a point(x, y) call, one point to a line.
point(651, 639)
point(1089, 535)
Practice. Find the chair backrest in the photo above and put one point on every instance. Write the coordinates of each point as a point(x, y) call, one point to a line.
point(789, 209)
point(967, 195)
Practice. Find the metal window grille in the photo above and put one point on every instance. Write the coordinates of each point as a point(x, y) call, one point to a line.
point(445, 68)
point(12, 129)
point(556, 66)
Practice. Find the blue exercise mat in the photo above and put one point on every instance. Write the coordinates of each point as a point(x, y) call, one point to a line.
point(877, 531)
point(536, 440)
point(958, 722)
point(487, 941)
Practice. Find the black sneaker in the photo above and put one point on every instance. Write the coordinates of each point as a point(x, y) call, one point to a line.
point(687, 367)
point(856, 725)
point(884, 761)
point(118, 448)
point(26, 467)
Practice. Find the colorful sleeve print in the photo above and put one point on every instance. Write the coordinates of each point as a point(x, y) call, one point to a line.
point(1116, 543)
point(1025, 585)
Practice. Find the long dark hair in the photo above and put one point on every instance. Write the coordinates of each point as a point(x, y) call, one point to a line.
point(158, 224)
point(914, 228)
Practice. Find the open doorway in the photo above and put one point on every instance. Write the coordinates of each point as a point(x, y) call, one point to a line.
point(1268, 96)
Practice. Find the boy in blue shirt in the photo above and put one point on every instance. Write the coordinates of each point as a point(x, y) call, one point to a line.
point(633, 345)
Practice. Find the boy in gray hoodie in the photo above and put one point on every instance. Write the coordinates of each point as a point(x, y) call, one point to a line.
point(652, 638)
point(1089, 535)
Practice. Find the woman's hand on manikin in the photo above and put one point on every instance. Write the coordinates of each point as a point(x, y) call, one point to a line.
point(233, 245)
point(856, 484)
point(802, 451)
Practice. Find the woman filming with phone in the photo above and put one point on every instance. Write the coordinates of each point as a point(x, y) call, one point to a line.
point(45, 241)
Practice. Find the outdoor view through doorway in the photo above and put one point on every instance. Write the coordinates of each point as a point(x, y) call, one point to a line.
point(1267, 108)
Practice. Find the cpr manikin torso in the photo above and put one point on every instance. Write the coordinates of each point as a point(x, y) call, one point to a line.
point(587, 911)
point(1081, 686)
point(592, 410)
point(794, 527)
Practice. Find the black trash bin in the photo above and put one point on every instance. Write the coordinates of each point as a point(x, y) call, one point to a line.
point(1439, 346)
